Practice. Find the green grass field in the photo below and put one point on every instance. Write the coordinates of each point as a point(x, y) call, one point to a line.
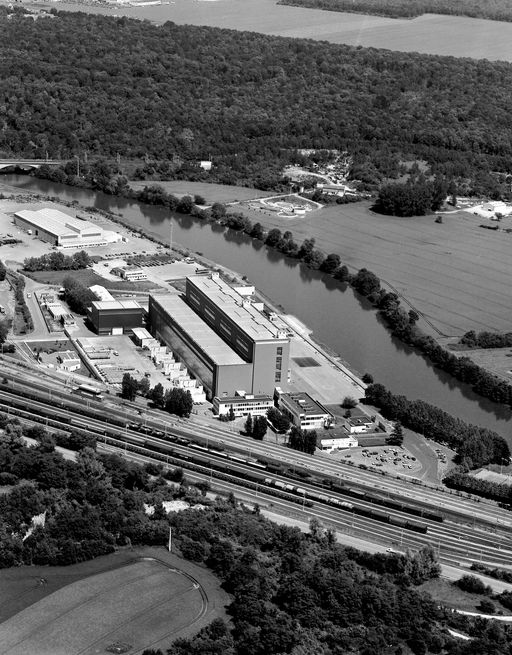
point(210, 192)
point(89, 278)
point(142, 603)
point(456, 273)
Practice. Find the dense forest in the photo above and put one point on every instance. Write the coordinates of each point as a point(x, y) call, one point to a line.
point(291, 592)
point(95, 86)
point(491, 9)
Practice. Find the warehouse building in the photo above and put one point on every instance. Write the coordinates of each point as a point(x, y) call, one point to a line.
point(247, 331)
point(59, 229)
point(219, 368)
point(115, 316)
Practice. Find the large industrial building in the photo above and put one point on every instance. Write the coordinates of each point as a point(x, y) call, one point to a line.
point(115, 316)
point(222, 339)
point(59, 229)
point(244, 328)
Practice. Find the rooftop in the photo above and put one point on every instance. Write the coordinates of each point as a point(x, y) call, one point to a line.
point(101, 293)
point(58, 223)
point(304, 404)
point(116, 304)
point(197, 330)
point(234, 306)
point(238, 400)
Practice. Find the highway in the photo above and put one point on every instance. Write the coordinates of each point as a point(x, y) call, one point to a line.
point(472, 531)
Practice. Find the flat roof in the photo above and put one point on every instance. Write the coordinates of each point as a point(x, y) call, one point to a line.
point(236, 307)
point(142, 333)
point(199, 331)
point(243, 399)
point(115, 304)
point(303, 402)
point(101, 292)
point(59, 224)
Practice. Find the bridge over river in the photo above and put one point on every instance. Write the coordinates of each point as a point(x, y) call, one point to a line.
point(28, 163)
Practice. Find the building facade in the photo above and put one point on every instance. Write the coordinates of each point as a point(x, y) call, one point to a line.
point(304, 412)
point(243, 405)
point(247, 331)
point(218, 367)
point(115, 316)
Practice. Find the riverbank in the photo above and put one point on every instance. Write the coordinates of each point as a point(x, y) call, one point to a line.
point(345, 321)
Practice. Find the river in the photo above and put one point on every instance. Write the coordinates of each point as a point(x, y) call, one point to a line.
point(337, 316)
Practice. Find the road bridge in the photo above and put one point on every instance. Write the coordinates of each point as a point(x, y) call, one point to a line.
point(29, 163)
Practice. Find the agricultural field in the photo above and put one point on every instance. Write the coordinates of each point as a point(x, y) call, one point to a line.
point(138, 603)
point(455, 273)
point(495, 360)
point(210, 192)
point(430, 34)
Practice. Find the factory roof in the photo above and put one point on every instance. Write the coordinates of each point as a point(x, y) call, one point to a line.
point(197, 330)
point(59, 224)
point(115, 304)
point(101, 293)
point(234, 306)
point(304, 404)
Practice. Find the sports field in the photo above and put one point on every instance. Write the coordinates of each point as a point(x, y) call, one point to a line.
point(210, 192)
point(456, 273)
point(141, 604)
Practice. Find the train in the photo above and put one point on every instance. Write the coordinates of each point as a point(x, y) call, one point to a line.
point(325, 483)
point(361, 510)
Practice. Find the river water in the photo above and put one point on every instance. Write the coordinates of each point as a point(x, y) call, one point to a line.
point(337, 316)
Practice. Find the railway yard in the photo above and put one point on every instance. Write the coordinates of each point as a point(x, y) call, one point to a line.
point(383, 509)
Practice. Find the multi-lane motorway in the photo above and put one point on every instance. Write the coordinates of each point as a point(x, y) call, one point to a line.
point(472, 531)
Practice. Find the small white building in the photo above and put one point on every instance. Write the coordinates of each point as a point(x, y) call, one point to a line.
point(360, 424)
point(304, 412)
point(142, 337)
point(339, 443)
point(69, 361)
point(243, 404)
point(133, 273)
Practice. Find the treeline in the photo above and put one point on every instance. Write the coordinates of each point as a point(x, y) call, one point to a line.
point(486, 488)
point(77, 295)
point(496, 10)
point(416, 197)
point(486, 340)
point(175, 401)
point(475, 446)
point(165, 94)
point(91, 505)
point(23, 318)
point(58, 261)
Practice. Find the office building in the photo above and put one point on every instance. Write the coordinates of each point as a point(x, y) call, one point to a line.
point(304, 412)
point(243, 404)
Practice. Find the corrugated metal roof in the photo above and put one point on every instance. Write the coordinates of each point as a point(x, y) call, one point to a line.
point(197, 330)
point(234, 306)
point(58, 223)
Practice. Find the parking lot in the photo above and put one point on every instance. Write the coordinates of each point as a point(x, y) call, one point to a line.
point(391, 459)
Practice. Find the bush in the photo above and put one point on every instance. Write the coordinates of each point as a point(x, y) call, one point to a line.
point(473, 585)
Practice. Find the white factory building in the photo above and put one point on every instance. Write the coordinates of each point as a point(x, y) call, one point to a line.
point(60, 229)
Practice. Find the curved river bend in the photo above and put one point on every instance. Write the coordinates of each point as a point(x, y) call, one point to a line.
point(341, 320)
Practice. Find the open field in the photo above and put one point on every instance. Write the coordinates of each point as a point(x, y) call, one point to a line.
point(430, 34)
point(210, 192)
point(85, 614)
point(456, 273)
point(495, 360)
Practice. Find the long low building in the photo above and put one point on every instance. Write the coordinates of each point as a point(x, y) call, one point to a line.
point(243, 405)
point(60, 229)
point(210, 359)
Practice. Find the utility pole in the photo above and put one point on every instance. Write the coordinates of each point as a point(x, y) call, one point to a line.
point(170, 239)
point(169, 545)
